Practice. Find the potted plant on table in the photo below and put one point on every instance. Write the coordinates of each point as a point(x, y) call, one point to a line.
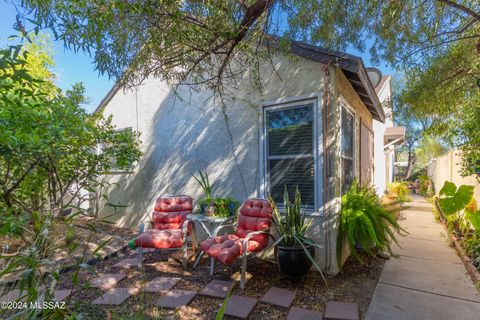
point(294, 251)
point(219, 207)
point(365, 224)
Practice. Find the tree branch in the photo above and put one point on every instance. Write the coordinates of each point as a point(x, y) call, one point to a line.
point(461, 7)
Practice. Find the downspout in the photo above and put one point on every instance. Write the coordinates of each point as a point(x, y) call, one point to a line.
point(326, 162)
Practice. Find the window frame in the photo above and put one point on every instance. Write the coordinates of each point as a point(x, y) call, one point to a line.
point(316, 145)
point(349, 109)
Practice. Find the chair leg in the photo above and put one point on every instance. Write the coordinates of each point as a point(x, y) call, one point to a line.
point(185, 254)
point(243, 271)
point(140, 249)
point(139, 257)
point(212, 265)
point(198, 258)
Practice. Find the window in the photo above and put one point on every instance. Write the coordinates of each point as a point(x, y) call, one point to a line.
point(290, 156)
point(348, 149)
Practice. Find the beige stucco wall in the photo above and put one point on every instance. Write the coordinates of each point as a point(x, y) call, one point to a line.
point(447, 168)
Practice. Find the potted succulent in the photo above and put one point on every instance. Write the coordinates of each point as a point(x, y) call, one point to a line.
point(365, 224)
point(205, 205)
point(294, 251)
point(210, 206)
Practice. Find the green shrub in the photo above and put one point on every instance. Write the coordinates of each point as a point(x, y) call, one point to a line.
point(425, 189)
point(400, 189)
point(364, 221)
point(472, 248)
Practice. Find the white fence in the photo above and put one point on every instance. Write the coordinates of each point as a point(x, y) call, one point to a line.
point(446, 168)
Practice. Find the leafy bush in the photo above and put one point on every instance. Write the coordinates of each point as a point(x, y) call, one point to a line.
point(472, 248)
point(425, 186)
point(365, 222)
point(400, 189)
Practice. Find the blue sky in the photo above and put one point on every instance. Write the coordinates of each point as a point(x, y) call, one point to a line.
point(71, 67)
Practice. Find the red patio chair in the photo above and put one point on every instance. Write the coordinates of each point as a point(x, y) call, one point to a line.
point(251, 235)
point(169, 226)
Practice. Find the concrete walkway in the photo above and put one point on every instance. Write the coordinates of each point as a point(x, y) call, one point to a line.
point(427, 280)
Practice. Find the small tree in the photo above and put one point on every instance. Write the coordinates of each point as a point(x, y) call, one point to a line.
point(48, 154)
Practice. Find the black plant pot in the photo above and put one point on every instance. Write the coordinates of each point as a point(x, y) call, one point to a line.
point(293, 262)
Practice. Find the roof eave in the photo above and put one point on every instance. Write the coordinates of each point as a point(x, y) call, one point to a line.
point(349, 64)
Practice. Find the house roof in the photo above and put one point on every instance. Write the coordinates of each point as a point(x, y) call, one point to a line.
point(352, 66)
point(381, 84)
point(394, 133)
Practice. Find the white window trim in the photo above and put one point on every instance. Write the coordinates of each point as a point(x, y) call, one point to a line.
point(344, 104)
point(286, 103)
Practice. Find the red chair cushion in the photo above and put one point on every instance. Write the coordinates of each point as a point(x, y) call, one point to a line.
point(167, 220)
point(174, 204)
point(160, 239)
point(171, 212)
point(225, 248)
point(255, 215)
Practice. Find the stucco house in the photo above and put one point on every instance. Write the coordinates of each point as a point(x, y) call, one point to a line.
point(310, 124)
point(388, 138)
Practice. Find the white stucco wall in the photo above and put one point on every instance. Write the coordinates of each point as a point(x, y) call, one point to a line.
point(380, 156)
point(184, 133)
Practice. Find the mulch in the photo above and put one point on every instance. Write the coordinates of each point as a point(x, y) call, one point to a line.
point(355, 284)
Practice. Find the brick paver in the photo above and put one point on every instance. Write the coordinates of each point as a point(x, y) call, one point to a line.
point(278, 296)
point(304, 314)
point(115, 296)
point(176, 298)
point(335, 310)
point(12, 295)
point(239, 307)
point(161, 284)
point(108, 280)
point(58, 295)
point(126, 263)
point(61, 295)
point(217, 289)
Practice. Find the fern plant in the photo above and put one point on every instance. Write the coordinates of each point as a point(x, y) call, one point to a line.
point(365, 222)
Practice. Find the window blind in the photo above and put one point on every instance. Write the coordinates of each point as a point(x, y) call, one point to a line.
point(290, 156)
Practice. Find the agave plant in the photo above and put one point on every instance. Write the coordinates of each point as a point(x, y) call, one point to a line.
point(364, 222)
point(292, 226)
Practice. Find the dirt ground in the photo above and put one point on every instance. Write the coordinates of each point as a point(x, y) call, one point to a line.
point(115, 238)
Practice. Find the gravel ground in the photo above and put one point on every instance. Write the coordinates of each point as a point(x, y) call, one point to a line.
point(356, 284)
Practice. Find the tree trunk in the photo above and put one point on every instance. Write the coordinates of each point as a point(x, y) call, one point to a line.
point(412, 158)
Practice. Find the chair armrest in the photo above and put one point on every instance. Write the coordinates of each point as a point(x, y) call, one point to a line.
point(185, 227)
point(220, 227)
point(249, 235)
